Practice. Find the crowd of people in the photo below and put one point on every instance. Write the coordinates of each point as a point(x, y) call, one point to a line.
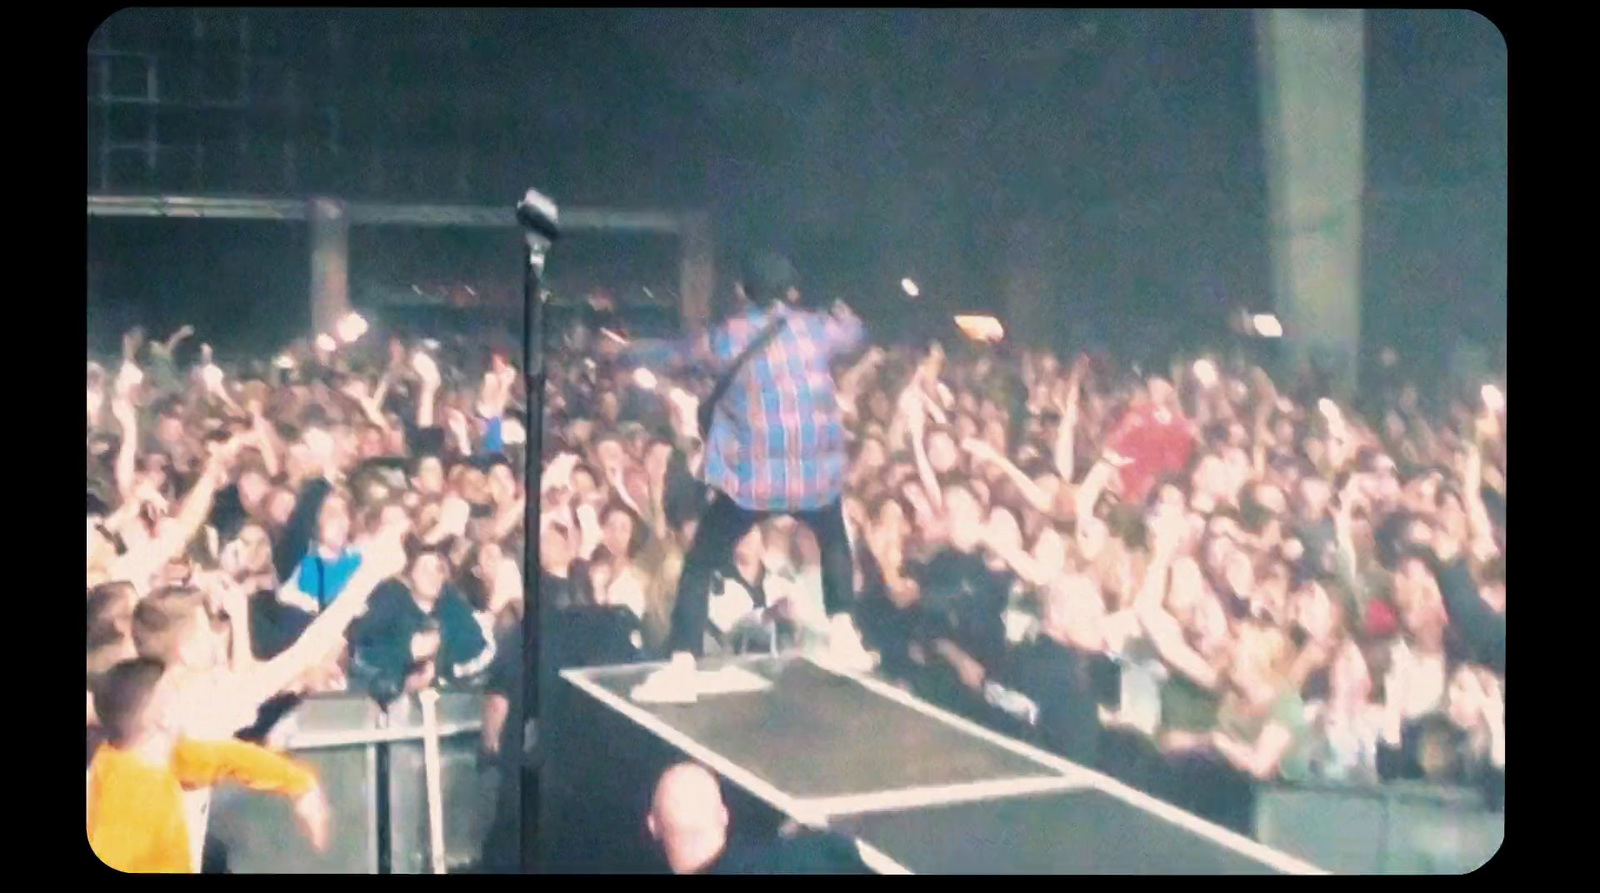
point(347, 516)
point(1192, 581)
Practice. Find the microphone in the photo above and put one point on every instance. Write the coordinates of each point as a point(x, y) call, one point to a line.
point(537, 213)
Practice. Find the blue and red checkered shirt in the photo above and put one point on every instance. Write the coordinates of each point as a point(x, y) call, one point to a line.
point(777, 438)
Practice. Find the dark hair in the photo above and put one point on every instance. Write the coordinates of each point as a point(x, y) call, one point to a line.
point(416, 462)
point(167, 406)
point(585, 468)
point(640, 530)
point(1494, 571)
point(1390, 538)
point(419, 551)
point(121, 695)
point(1435, 732)
point(767, 278)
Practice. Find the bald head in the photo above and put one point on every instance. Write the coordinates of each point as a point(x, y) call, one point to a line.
point(688, 818)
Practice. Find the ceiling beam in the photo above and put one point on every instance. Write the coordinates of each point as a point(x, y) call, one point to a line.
point(375, 213)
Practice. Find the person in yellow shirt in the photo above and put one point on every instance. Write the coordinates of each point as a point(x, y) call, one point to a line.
point(218, 695)
point(136, 816)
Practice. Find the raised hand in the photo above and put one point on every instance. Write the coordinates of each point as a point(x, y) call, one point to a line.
point(132, 340)
point(426, 369)
point(321, 447)
point(385, 555)
point(226, 597)
point(454, 516)
point(147, 494)
point(559, 475)
point(311, 812)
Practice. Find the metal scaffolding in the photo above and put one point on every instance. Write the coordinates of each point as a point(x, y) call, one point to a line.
point(330, 220)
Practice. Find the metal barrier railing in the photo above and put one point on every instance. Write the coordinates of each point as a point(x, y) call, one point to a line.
point(1392, 828)
point(373, 768)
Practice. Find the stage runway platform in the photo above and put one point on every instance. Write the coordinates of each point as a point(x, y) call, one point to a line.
point(922, 791)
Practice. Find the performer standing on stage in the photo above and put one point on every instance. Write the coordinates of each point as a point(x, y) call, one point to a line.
point(775, 443)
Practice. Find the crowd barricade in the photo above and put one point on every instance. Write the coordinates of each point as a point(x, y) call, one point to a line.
point(1392, 828)
point(370, 762)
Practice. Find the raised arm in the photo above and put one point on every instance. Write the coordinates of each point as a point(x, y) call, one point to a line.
point(1036, 497)
point(177, 338)
point(508, 519)
point(1346, 563)
point(1480, 626)
point(843, 329)
point(1088, 496)
point(127, 463)
point(264, 439)
point(428, 372)
point(850, 381)
point(1479, 527)
point(1066, 436)
point(383, 558)
point(143, 562)
point(1019, 561)
point(919, 452)
point(1259, 758)
point(1163, 630)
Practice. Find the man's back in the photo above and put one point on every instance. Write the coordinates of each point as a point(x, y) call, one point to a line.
point(810, 852)
point(777, 439)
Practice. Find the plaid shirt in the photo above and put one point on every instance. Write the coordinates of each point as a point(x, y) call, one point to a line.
point(777, 438)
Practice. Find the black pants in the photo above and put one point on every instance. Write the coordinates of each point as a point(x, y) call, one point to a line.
point(721, 528)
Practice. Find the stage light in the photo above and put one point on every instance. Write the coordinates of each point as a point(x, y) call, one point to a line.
point(981, 328)
point(284, 361)
point(1266, 325)
point(351, 328)
point(910, 288)
point(1205, 372)
point(326, 344)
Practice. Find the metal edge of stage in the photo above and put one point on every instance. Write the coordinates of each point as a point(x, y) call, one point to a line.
point(816, 812)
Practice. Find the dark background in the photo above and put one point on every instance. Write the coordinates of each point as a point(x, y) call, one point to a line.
point(869, 144)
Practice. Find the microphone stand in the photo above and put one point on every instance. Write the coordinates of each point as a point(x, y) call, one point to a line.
point(537, 215)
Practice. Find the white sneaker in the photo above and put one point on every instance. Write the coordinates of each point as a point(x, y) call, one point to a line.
point(672, 684)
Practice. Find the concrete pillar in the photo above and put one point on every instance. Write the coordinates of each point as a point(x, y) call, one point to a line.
point(330, 263)
point(697, 276)
point(1312, 76)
